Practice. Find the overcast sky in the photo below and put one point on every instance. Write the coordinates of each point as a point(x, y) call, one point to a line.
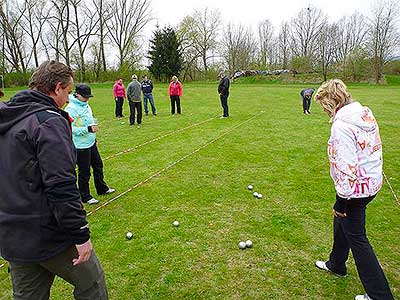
point(251, 12)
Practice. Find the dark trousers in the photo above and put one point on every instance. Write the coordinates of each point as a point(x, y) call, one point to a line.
point(349, 233)
point(135, 107)
point(119, 103)
point(175, 100)
point(86, 158)
point(32, 281)
point(306, 104)
point(224, 104)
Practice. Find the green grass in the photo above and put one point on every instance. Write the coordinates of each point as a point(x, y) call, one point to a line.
point(280, 151)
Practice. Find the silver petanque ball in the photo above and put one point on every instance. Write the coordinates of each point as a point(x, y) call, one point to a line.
point(249, 244)
point(259, 196)
point(255, 194)
point(242, 245)
point(175, 223)
point(129, 235)
point(250, 187)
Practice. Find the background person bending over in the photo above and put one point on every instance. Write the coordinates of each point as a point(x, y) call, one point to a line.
point(355, 156)
point(175, 94)
point(84, 130)
point(306, 95)
point(43, 229)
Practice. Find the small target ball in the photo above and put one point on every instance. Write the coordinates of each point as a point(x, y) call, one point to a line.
point(129, 235)
point(176, 223)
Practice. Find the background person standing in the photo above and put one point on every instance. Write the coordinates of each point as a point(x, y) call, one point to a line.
point(355, 156)
point(223, 91)
point(306, 95)
point(134, 92)
point(119, 96)
point(84, 130)
point(147, 88)
point(43, 228)
point(175, 94)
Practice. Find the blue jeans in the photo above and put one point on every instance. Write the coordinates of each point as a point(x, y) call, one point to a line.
point(149, 97)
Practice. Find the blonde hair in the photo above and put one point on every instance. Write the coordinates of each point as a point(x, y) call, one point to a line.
point(174, 78)
point(333, 95)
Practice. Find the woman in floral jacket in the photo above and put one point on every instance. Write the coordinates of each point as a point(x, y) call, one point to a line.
point(355, 157)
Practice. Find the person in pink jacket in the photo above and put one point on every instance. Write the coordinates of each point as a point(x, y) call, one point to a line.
point(175, 92)
point(119, 96)
point(355, 157)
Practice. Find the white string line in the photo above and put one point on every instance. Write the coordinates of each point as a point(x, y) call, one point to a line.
point(391, 188)
point(138, 146)
point(157, 138)
point(170, 166)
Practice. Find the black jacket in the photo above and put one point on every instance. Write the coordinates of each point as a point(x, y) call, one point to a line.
point(41, 213)
point(147, 86)
point(223, 87)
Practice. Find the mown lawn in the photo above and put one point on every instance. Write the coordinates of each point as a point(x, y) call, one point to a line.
point(198, 168)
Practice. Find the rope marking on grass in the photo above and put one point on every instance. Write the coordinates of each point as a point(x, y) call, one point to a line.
point(171, 165)
point(391, 188)
point(156, 139)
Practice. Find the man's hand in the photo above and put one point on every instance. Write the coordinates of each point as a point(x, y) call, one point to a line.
point(84, 252)
point(339, 214)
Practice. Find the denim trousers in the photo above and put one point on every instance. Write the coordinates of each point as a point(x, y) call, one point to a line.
point(149, 98)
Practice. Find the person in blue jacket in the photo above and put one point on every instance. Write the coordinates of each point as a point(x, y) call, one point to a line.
point(84, 130)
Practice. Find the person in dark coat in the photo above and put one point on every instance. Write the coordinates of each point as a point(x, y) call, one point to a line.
point(223, 91)
point(43, 226)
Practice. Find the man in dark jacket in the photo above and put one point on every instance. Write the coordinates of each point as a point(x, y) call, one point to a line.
point(43, 227)
point(223, 91)
point(147, 89)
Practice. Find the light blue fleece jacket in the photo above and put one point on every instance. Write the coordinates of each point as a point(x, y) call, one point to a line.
point(83, 117)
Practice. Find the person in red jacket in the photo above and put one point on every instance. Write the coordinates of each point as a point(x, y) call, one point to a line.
point(175, 92)
point(119, 95)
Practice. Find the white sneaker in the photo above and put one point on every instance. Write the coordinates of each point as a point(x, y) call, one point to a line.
point(110, 190)
point(93, 201)
point(322, 266)
point(362, 297)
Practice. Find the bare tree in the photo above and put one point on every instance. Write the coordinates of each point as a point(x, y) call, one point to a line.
point(129, 18)
point(13, 38)
point(326, 47)
point(238, 47)
point(351, 35)
point(82, 29)
point(284, 41)
point(34, 16)
point(103, 14)
point(59, 25)
point(306, 26)
point(384, 37)
point(265, 35)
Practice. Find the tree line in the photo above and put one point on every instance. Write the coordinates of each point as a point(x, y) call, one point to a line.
point(102, 38)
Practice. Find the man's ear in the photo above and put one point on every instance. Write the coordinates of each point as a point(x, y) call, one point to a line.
point(58, 88)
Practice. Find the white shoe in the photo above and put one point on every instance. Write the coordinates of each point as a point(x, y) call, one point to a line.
point(322, 266)
point(93, 201)
point(138, 126)
point(362, 297)
point(110, 190)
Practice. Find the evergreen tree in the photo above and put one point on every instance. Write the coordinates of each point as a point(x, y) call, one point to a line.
point(165, 54)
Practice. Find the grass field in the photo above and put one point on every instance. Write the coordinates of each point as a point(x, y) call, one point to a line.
point(196, 169)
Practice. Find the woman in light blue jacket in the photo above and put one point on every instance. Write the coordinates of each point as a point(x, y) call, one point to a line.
point(84, 130)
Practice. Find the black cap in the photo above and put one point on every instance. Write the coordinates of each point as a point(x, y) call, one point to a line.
point(83, 90)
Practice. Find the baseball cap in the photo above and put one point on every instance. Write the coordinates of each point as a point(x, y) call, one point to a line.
point(83, 90)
